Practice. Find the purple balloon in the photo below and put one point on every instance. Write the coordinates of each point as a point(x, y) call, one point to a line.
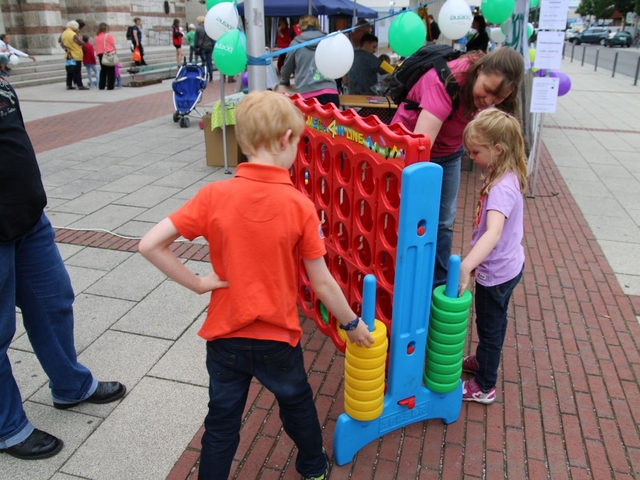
point(564, 82)
point(245, 79)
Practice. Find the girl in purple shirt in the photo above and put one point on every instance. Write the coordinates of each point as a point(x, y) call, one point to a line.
point(494, 142)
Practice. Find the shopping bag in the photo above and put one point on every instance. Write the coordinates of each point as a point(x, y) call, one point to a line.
point(136, 57)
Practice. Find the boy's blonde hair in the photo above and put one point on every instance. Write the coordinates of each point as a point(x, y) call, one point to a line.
point(262, 118)
point(494, 127)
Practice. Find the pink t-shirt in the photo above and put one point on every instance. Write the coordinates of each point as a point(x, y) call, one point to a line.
point(432, 96)
point(100, 43)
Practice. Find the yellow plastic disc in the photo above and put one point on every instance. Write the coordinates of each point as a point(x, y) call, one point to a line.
point(363, 394)
point(365, 363)
point(378, 349)
point(363, 405)
point(363, 416)
point(364, 385)
point(364, 374)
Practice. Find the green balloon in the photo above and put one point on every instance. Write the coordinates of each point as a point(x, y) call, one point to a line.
point(497, 11)
point(529, 30)
point(534, 3)
point(230, 53)
point(407, 34)
point(213, 3)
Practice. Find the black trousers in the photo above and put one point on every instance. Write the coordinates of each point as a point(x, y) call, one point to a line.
point(107, 75)
point(74, 74)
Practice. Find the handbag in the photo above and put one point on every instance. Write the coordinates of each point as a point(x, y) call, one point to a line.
point(136, 57)
point(109, 59)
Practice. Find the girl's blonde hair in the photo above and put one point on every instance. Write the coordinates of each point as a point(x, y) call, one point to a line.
point(262, 118)
point(494, 127)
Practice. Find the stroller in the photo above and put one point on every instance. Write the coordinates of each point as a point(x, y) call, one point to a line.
point(190, 81)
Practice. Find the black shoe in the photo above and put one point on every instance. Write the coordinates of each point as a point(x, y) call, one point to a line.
point(105, 393)
point(231, 80)
point(37, 445)
point(83, 88)
point(71, 88)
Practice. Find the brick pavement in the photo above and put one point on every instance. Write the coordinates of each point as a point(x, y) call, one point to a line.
point(568, 403)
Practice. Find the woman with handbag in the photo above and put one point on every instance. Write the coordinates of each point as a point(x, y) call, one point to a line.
point(106, 51)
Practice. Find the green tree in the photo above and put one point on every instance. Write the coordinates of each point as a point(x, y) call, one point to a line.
point(586, 8)
point(625, 6)
point(603, 8)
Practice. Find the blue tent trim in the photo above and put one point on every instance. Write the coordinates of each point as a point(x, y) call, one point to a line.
point(297, 8)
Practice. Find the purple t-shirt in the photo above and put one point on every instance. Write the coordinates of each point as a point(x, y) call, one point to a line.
point(507, 258)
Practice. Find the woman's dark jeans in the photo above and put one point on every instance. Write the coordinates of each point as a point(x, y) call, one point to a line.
point(107, 75)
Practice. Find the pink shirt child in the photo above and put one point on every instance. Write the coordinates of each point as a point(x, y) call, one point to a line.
point(118, 66)
point(432, 96)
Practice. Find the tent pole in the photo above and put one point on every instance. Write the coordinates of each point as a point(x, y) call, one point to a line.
point(254, 12)
point(310, 8)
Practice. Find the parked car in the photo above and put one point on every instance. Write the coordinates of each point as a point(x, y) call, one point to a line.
point(592, 35)
point(569, 35)
point(624, 39)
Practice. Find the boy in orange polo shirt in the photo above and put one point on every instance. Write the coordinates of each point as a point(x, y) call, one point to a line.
point(256, 223)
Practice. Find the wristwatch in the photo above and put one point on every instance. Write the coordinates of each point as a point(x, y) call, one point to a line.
point(352, 325)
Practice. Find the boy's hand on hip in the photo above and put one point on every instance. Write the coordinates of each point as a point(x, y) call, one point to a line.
point(361, 336)
point(211, 282)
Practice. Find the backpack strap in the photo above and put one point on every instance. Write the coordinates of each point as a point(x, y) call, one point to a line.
point(450, 84)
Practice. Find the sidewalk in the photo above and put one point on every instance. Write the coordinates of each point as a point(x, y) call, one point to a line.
point(568, 398)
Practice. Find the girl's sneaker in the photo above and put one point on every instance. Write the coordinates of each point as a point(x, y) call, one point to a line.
point(470, 364)
point(471, 392)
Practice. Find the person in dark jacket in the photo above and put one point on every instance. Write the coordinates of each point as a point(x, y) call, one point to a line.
point(433, 32)
point(137, 39)
point(480, 41)
point(34, 279)
point(204, 46)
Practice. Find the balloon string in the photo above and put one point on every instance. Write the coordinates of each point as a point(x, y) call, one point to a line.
point(260, 60)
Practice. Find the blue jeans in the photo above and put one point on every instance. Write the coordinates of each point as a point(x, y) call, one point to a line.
point(34, 278)
point(448, 202)
point(191, 53)
point(207, 59)
point(92, 68)
point(232, 363)
point(491, 324)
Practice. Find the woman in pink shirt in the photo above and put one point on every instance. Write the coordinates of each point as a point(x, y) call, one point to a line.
point(483, 81)
point(105, 43)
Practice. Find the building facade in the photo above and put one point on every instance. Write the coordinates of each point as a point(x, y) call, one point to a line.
point(35, 25)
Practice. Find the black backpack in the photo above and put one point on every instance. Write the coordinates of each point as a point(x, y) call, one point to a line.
point(130, 33)
point(406, 75)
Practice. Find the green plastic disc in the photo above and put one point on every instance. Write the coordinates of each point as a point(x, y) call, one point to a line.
point(448, 304)
point(431, 366)
point(448, 328)
point(447, 338)
point(443, 359)
point(444, 348)
point(447, 316)
point(441, 378)
point(440, 388)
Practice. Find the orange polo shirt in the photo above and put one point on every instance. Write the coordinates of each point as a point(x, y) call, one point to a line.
point(255, 224)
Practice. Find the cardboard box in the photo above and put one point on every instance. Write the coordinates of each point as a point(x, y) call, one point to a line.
point(214, 145)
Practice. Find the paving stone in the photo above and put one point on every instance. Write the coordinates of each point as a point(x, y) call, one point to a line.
point(129, 183)
point(133, 280)
point(180, 179)
point(165, 313)
point(89, 202)
point(59, 219)
point(99, 258)
point(161, 211)
point(73, 190)
point(82, 278)
point(63, 177)
point(67, 251)
point(609, 227)
point(148, 196)
point(145, 435)
point(27, 371)
point(107, 218)
point(73, 428)
point(134, 228)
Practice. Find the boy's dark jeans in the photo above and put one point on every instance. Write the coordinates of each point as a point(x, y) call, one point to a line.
point(232, 363)
point(491, 324)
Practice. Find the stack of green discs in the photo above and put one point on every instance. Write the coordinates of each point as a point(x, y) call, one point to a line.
point(445, 340)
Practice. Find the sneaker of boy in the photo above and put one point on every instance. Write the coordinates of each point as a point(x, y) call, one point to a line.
point(470, 364)
point(325, 475)
point(471, 392)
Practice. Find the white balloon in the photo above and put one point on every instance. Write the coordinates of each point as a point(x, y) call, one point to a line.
point(496, 35)
point(334, 56)
point(505, 27)
point(14, 59)
point(455, 19)
point(220, 19)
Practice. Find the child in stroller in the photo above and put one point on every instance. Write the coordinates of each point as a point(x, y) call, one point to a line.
point(190, 81)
